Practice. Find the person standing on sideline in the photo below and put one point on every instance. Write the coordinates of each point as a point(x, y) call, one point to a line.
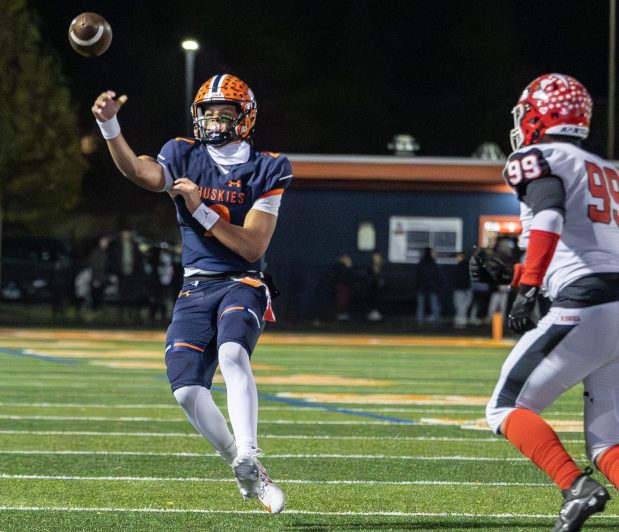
point(428, 281)
point(463, 293)
point(570, 214)
point(227, 197)
point(342, 278)
point(375, 286)
point(98, 261)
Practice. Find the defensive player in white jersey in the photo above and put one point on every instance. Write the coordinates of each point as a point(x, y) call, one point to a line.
point(570, 216)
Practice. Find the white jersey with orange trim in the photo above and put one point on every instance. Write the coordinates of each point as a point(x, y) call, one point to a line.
point(230, 190)
point(589, 241)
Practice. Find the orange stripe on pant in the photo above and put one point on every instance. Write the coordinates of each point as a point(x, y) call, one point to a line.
point(230, 309)
point(185, 344)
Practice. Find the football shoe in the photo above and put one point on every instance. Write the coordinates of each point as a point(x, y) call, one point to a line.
point(582, 499)
point(254, 483)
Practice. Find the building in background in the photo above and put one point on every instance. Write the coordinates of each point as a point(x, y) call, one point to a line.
point(395, 206)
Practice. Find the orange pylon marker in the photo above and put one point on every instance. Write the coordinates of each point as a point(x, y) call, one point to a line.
point(497, 326)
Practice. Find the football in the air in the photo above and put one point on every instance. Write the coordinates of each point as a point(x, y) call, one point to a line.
point(90, 34)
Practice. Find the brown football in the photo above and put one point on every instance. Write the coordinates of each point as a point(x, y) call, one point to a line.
point(90, 34)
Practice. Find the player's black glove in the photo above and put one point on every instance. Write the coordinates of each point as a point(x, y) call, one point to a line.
point(486, 267)
point(523, 315)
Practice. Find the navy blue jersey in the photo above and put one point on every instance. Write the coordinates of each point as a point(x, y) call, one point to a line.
point(231, 195)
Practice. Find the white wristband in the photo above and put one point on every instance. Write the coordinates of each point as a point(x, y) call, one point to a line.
point(206, 217)
point(110, 129)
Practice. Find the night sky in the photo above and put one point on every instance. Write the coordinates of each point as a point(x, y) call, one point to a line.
point(340, 76)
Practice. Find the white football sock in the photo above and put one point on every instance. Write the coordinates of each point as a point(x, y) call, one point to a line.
point(242, 396)
point(199, 407)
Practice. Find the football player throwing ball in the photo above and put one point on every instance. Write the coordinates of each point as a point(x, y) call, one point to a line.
point(227, 197)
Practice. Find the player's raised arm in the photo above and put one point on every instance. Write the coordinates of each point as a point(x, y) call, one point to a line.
point(250, 240)
point(144, 172)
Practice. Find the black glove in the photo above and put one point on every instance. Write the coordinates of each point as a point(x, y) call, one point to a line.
point(523, 315)
point(486, 267)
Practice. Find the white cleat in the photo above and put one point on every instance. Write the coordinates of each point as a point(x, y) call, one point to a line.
point(270, 495)
point(254, 483)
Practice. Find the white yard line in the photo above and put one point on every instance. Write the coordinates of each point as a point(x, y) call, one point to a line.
point(290, 512)
point(492, 439)
point(314, 456)
point(86, 405)
point(145, 419)
point(281, 481)
point(33, 383)
point(183, 420)
point(275, 408)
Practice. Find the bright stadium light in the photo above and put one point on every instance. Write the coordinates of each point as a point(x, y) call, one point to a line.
point(191, 47)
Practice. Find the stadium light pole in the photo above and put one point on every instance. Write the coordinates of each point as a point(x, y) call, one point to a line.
point(191, 47)
point(612, 32)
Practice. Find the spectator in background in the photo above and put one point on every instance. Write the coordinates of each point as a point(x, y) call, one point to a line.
point(479, 308)
point(375, 284)
point(463, 293)
point(499, 296)
point(98, 264)
point(342, 282)
point(428, 282)
point(150, 263)
point(505, 249)
point(481, 296)
point(166, 289)
point(82, 285)
point(126, 264)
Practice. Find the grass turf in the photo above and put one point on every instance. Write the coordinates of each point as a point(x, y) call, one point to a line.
point(91, 439)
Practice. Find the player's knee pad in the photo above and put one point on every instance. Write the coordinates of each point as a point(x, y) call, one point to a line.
point(495, 415)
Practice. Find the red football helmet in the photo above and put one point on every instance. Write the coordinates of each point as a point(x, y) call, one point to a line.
point(553, 104)
point(225, 89)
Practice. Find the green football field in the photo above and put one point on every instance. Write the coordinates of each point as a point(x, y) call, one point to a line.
point(373, 433)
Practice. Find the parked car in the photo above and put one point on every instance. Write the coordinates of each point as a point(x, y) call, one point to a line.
point(35, 269)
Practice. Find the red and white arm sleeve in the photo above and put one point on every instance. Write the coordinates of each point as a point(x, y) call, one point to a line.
point(546, 228)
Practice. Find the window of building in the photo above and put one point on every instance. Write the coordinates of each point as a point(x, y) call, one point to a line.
point(492, 227)
point(366, 237)
point(409, 235)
